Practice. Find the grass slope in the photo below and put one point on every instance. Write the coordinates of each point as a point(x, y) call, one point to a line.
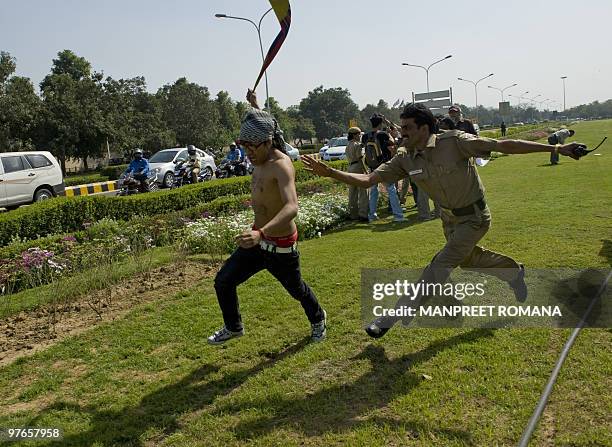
point(151, 379)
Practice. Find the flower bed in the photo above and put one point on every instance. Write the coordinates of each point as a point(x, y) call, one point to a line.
point(27, 264)
point(215, 234)
point(63, 214)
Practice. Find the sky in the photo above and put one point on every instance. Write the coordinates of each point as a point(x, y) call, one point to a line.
point(355, 44)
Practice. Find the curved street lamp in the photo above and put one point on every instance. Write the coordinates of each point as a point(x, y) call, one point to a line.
point(258, 28)
point(427, 69)
point(502, 90)
point(476, 88)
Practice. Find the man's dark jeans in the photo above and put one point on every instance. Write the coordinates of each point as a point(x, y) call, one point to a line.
point(244, 263)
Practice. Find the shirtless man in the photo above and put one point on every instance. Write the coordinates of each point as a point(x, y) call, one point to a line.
point(272, 242)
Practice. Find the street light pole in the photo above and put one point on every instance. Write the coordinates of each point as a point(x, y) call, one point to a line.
point(427, 69)
point(502, 90)
point(476, 89)
point(518, 98)
point(563, 78)
point(258, 28)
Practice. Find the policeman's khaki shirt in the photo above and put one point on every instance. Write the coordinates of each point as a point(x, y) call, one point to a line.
point(353, 151)
point(445, 168)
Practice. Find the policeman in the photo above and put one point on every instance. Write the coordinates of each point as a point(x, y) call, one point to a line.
point(442, 166)
point(193, 163)
point(358, 197)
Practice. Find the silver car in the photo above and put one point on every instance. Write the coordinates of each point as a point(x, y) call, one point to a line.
point(294, 153)
point(162, 163)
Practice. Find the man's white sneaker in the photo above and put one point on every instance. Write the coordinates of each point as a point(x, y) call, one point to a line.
point(223, 335)
point(319, 330)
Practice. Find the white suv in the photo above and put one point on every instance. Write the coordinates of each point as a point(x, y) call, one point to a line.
point(27, 177)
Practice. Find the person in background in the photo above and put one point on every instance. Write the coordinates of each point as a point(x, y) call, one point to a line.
point(460, 122)
point(358, 197)
point(139, 168)
point(557, 139)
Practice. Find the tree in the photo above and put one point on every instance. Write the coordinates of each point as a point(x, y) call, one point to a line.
point(329, 110)
point(19, 106)
point(303, 128)
point(134, 117)
point(228, 116)
point(285, 122)
point(7, 68)
point(190, 114)
point(69, 63)
point(72, 124)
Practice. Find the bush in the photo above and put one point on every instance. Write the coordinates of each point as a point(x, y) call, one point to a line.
point(84, 179)
point(65, 214)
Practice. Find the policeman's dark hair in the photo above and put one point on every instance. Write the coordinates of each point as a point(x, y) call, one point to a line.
point(421, 115)
point(376, 120)
point(351, 136)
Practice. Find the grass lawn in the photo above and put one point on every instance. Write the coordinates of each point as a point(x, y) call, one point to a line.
point(151, 378)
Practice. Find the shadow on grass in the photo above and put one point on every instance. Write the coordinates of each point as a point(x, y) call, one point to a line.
point(161, 409)
point(345, 406)
point(606, 250)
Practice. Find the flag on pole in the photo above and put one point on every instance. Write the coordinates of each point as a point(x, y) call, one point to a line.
point(283, 13)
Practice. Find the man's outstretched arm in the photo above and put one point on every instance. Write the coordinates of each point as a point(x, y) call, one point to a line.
point(528, 147)
point(322, 170)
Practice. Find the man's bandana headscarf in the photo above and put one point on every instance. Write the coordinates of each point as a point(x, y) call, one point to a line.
point(258, 126)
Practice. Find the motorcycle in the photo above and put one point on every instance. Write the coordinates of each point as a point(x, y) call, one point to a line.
point(128, 185)
point(182, 175)
point(231, 168)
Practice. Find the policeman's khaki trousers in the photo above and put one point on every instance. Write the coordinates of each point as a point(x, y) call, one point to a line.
point(462, 233)
point(358, 197)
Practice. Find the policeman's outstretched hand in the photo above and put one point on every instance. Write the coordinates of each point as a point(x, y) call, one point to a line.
point(315, 166)
point(572, 150)
point(248, 239)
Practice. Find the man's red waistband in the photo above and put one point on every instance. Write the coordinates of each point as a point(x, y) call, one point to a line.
point(281, 241)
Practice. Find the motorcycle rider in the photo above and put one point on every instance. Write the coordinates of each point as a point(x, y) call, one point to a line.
point(236, 158)
point(193, 164)
point(139, 168)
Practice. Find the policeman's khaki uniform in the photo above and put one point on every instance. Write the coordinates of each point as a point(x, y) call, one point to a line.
point(358, 197)
point(445, 170)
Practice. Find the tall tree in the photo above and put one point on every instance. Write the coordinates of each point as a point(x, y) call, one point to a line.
point(228, 116)
point(330, 110)
point(72, 124)
point(190, 114)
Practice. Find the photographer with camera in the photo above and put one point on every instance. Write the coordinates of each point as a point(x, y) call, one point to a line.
point(377, 145)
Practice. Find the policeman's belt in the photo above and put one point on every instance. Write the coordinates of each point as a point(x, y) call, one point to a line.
point(271, 248)
point(355, 162)
point(468, 210)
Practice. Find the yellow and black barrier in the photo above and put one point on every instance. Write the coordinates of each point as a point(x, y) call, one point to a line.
point(91, 188)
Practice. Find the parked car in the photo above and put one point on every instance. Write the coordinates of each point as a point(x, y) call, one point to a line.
point(162, 163)
point(293, 152)
point(27, 177)
point(323, 150)
point(337, 149)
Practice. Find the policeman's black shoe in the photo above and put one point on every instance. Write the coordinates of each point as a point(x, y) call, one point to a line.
point(379, 327)
point(518, 285)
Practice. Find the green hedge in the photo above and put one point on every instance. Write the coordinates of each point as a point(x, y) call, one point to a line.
point(84, 179)
point(217, 206)
point(65, 214)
